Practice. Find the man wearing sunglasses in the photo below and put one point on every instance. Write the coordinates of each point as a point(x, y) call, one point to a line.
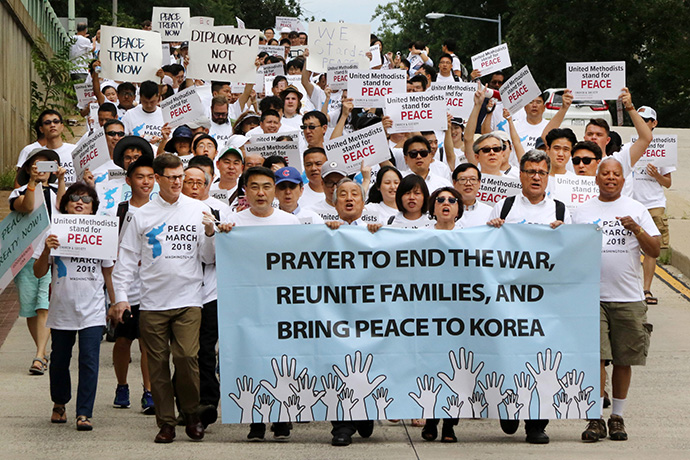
point(51, 127)
point(489, 154)
point(314, 127)
point(585, 157)
point(418, 157)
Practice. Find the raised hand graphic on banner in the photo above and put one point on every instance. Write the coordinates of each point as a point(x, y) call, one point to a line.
point(524, 392)
point(330, 398)
point(284, 378)
point(464, 379)
point(582, 402)
point(493, 394)
point(382, 402)
point(357, 380)
point(308, 396)
point(427, 396)
point(264, 407)
point(293, 408)
point(348, 401)
point(561, 405)
point(454, 406)
point(547, 382)
point(572, 386)
point(245, 398)
point(477, 403)
point(512, 404)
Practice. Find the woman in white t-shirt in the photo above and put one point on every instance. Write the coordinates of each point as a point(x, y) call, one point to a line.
point(77, 305)
point(382, 194)
point(412, 198)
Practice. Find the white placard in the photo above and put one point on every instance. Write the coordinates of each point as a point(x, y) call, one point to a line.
point(273, 70)
point(369, 88)
point(88, 236)
point(93, 116)
point(219, 194)
point(286, 21)
point(182, 108)
point(223, 53)
point(165, 54)
point(295, 51)
point(662, 151)
point(240, 23)
point(595, 80)
point(417, 111)
point(85, 93)
point(368, 145)
point(332, 43)
point(494, 188)
point(90, 152)
point(172, 23)
point(519, 90)
point(459, 97)
point(492, 60)
point(292, 80)
point(273, 50)
point(336, 75)
point(116, 174)
point(288, 149)
point(129, 54)
point(267, 138)
point(375, 56)
point(201, 21)
point(573, 191)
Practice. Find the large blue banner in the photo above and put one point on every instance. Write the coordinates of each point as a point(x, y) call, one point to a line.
point(320, 324)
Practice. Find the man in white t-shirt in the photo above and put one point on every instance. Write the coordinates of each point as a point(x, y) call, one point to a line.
point(51, 125)
point(313, 158)
point(289, 189)
point(532, 125)
point(146, 119)
point(445, 70)
point(80, 53)
point(466, 180)
point(626, 229)
point(418, 157)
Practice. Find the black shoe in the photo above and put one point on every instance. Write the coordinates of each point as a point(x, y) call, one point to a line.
point(537, 437)
point(341, 439)
point(430, 430)
point(256, 432)
point(510, 426)
point(208, 414)
point(194, 428)
point(448, 433)
point(281, 431)
point(365, 428)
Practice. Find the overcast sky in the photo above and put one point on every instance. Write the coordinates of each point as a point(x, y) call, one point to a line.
point(353, 11)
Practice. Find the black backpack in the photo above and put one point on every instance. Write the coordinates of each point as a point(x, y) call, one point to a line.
point(508, 204)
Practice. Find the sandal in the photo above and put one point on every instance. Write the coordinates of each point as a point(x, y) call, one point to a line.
point(448, 434)
point(83, 423)
point(649, 297)
point(60, 412)
point(430, 431)
point(39, 369)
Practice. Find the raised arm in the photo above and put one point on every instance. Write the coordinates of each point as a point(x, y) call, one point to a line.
point(643, 132)
point(557, 119)
point(472, 124)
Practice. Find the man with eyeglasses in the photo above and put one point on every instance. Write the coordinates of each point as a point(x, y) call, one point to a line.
point(466, 180)
point(314, 127)
point(532, 206)
point(114, 131)
point(172, 235)
point(418, 157)
point(289, 189)
point(221, 128)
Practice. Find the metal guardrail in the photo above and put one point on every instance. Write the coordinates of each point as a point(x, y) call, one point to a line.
point(48, 23)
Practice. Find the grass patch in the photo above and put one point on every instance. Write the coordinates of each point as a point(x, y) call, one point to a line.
point(7, 178)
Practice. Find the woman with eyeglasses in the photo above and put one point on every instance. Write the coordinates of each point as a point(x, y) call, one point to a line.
point(412, 198)
point(77, 309)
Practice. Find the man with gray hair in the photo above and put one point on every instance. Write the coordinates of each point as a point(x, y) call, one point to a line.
point(488, 150)
point(348, 199)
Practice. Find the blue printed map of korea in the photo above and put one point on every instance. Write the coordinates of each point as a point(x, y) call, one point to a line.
point(61, 267)
point(138, 129)
point(153, 241)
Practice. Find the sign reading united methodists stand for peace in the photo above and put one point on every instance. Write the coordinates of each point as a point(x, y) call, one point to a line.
point(459, 97)
point(519, 90)
point(19, 235)
point(90, 152)
point(595, 80)
point(493, 189)
point(333, 43)
point(492, 60)
point(369, 88)
point(661, 152)
point(336, 75)
point(182, 108)
point(368, 145)
point(173, 24)
point(129, 54)
point(82, 235)
point(223, 53)
point(574, 190)
point(321, 324)
point(417, 111)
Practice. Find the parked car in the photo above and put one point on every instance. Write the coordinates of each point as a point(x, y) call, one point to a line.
point(579, 113)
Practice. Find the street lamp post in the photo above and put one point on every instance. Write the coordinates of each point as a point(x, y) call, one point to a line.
point(441, 15)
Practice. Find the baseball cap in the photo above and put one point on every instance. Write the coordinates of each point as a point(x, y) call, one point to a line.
point(228, 150)
point(201, 122)
point(288, 174)
point(647, 112)
point(332, 167)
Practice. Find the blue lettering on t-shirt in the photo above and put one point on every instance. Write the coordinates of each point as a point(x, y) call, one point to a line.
point(155, 244)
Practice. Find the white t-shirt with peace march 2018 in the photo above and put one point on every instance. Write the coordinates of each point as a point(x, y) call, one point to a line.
point(277, 217)
point(143, 124)
point(620, 250)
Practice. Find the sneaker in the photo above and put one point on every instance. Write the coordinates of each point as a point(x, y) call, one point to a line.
point(147, 406)
point(256, 432)
point(121, 397)
point(596, 430)
point(617, 428)
point(281, 431)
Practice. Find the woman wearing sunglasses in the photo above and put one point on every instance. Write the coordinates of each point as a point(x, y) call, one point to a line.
point(77, 308)
point(411, 198)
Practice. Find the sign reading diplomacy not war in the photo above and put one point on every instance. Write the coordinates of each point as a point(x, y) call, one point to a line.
point(223, 53)
point(346, 325)
point(129, 54)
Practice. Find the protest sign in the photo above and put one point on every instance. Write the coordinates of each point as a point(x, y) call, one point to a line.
point(19, 235)
point(294, 24)
point(273, 69)
point(93, 116)
point(369, 145)
point(165, 54)
point(595, 80)
point(661, 152)
point(459, 97)
point(201, 21)
point(292, 80)
point(494, 188)
point(220, 194)
point(90, 152)
point(384, 312)
point(295, 51)
point(182, 108)
point(336, 76)
point(273, 50)
point(240, 23)
point(129, 54)
point(267, 138)
point(284, 146)
point(375, 56)
point(574, 190)
point(84, 93)
point(223, 53)
point(172, 23)
point(417, 111)
point(519, 90)
point(369, 88)
point(492, 60)
point(82, 235)
point(332, 43)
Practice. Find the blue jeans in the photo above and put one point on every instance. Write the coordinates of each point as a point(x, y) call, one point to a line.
point(60, 356)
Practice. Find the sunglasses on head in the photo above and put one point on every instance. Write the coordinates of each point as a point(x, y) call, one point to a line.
point(86, 199)
point(584, 160)
point(422, 153)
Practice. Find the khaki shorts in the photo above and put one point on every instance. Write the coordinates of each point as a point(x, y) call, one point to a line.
point(661, 221)
point(624, 332)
